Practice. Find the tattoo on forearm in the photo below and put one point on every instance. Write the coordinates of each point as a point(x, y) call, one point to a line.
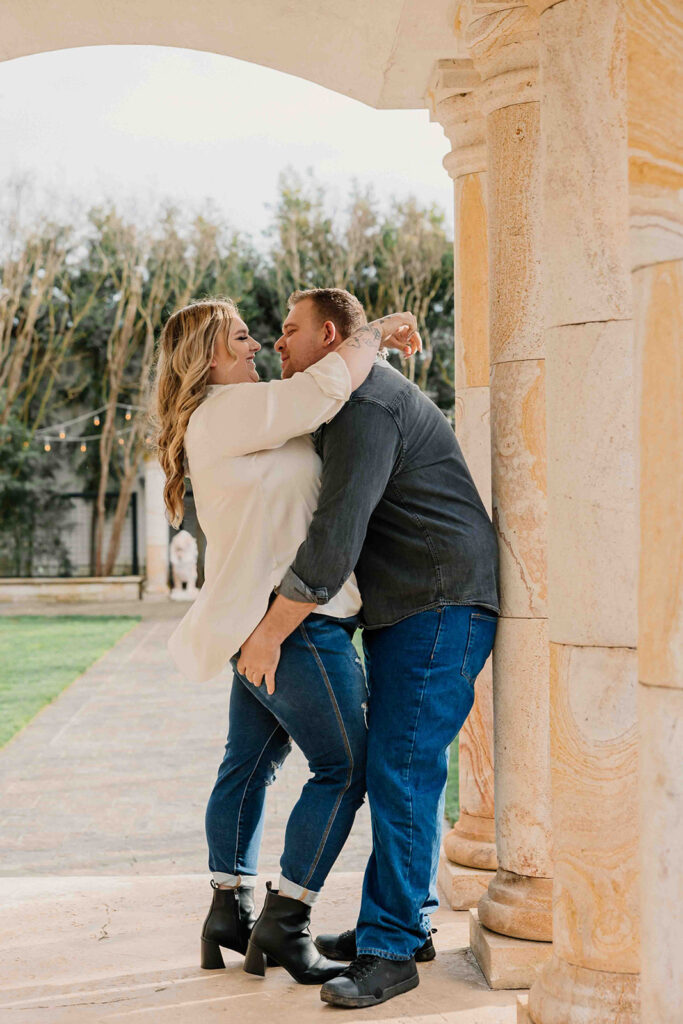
point(367, 335)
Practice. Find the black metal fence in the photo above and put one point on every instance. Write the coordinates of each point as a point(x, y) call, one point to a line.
point(58, 539)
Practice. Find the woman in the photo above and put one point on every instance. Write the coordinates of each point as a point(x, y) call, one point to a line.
point(255, 478)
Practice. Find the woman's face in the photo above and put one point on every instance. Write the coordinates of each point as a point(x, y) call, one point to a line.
point(238, 368)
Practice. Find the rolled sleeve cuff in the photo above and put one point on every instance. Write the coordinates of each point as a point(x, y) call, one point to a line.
point(296, 590)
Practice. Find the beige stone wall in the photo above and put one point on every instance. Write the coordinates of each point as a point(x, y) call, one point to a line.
point(655, 137)
point(82, 588)
point(592, 517)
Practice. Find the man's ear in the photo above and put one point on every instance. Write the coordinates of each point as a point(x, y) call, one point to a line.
point(329, 333)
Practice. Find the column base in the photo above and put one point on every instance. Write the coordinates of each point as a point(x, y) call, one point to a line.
point(463, 887)
point(472, 842)
point(523, 1010)
point(566, 994)
point(519, 906)
point(506, 962)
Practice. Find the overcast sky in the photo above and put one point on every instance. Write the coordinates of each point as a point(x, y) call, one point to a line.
point(151, 121)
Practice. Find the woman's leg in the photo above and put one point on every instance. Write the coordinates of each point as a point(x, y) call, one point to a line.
point(257, 745)
point(319, 698)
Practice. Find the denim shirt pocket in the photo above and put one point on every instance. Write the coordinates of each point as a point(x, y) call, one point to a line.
point(482, 633)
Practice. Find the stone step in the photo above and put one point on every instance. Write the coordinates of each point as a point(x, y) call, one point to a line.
point(77, 949)
point(462, 886)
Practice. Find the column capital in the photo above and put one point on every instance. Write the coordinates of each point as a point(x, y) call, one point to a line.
point(503, 43)
point(452, 101)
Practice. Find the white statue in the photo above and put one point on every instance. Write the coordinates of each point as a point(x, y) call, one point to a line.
point(183, 550)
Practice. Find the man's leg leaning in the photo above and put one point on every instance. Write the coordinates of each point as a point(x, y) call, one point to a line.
point(422, 673)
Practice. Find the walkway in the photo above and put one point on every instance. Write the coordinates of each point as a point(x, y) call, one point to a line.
point(103, 881)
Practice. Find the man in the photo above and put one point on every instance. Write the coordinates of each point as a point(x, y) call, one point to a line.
point(397, 505)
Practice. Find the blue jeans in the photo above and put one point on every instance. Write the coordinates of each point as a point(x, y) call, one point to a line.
point(421, 674)
point(319, 701)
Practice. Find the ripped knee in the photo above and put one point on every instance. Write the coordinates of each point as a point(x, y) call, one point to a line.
point(277, 762)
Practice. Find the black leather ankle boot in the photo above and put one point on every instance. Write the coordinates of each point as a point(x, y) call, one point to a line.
point(343, 946)
point(282, 934)
point(229, 923)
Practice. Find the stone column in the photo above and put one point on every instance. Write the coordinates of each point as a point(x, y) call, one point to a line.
point(655, 134)
point(592, 516)
point(504, 45)
point(470, 850)
point(156, 531)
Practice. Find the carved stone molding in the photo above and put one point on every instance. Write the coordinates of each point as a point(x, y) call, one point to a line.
point(504, 48)
point(453, 103)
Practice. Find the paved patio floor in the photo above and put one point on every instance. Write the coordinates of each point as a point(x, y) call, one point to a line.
point(103, 880)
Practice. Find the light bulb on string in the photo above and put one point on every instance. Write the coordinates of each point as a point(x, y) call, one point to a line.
point(128, 414)
point(96, 421)
point(62, 435)
point(120, 440)
point(84, 447)
point(47, 447)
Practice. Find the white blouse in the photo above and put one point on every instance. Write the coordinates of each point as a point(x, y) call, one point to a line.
point(256, 478)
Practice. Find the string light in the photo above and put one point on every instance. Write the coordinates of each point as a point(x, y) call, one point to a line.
point(58, 431)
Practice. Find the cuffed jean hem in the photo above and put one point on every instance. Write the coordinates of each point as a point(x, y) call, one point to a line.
point(297, 892)
point(221, 878)
point(370, 951)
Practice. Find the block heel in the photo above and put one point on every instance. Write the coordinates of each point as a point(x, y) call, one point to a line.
point(212, 958)
point(281, 935)
point(255, 961)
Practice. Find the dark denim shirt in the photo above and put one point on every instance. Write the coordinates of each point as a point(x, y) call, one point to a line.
point(397, 504)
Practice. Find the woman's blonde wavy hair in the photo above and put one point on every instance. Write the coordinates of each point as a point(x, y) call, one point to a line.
point(185, 351)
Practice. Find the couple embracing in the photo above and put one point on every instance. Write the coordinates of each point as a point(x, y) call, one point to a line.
point(334, 498)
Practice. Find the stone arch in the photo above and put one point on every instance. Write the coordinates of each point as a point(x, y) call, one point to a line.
point(379, 53)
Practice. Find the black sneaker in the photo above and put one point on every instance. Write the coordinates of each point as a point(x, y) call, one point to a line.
point(369, 980)
point(343, 947)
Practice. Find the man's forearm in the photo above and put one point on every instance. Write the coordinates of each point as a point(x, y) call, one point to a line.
point(283, 617)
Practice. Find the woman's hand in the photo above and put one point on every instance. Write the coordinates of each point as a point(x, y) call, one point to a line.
point(406, 340)
point(399, 331)
point(259, 657)
point(388, 325)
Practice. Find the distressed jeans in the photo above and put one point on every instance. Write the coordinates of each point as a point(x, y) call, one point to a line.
point(320, 702)
point(421, 674)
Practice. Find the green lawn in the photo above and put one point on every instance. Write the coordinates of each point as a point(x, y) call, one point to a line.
point(40, 655)
point(452, 804)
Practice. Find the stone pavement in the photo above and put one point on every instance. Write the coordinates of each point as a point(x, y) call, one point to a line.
point(103, 880)
point(114, 776)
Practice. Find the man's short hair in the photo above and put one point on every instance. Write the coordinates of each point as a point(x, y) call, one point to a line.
point(335, 304)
